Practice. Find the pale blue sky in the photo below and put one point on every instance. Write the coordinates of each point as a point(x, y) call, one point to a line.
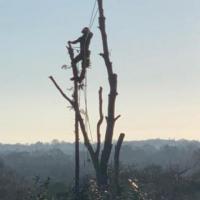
point(154, 47)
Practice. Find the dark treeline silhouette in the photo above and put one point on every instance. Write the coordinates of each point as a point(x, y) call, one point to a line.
point(160, 167)
point(28, 159)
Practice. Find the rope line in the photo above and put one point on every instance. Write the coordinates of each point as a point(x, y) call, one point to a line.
point(94, 18)
point(93, 15)
point(87, 119)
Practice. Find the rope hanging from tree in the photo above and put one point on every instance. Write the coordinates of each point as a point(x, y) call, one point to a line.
point(87, 120)
point(93, 15)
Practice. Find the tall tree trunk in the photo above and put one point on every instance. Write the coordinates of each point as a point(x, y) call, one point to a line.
point(112, 79)
point(76, 104)
point(77, 159)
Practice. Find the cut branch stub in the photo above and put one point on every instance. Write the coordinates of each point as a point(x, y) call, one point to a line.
point(116, 161)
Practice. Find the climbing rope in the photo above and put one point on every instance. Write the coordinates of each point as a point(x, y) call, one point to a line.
point(86, 115)
point(93, 15)
point(87, 120)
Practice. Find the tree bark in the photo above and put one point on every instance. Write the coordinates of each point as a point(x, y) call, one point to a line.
point(76, 104)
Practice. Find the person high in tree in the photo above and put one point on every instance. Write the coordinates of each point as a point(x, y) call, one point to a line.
point(84, 54)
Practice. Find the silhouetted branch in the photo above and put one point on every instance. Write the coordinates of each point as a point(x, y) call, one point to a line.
point(60, 90)
point(99, 122)
point(116, 118)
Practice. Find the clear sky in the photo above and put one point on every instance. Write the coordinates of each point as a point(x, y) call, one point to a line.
point(154, 47)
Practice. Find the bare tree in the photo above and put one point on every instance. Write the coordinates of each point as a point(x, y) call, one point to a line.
point(101, 155)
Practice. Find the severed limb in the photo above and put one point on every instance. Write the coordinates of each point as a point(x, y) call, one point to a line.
point(60, 90)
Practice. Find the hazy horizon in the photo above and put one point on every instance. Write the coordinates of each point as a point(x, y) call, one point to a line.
point(94, 142)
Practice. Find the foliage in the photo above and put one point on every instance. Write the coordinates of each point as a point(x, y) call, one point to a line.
point(158, 183)
point(128, 191)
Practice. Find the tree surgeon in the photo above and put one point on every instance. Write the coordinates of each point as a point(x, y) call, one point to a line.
point(84, 54)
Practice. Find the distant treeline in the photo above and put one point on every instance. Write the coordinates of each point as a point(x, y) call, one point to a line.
point(52, 159)
point(27, 167)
